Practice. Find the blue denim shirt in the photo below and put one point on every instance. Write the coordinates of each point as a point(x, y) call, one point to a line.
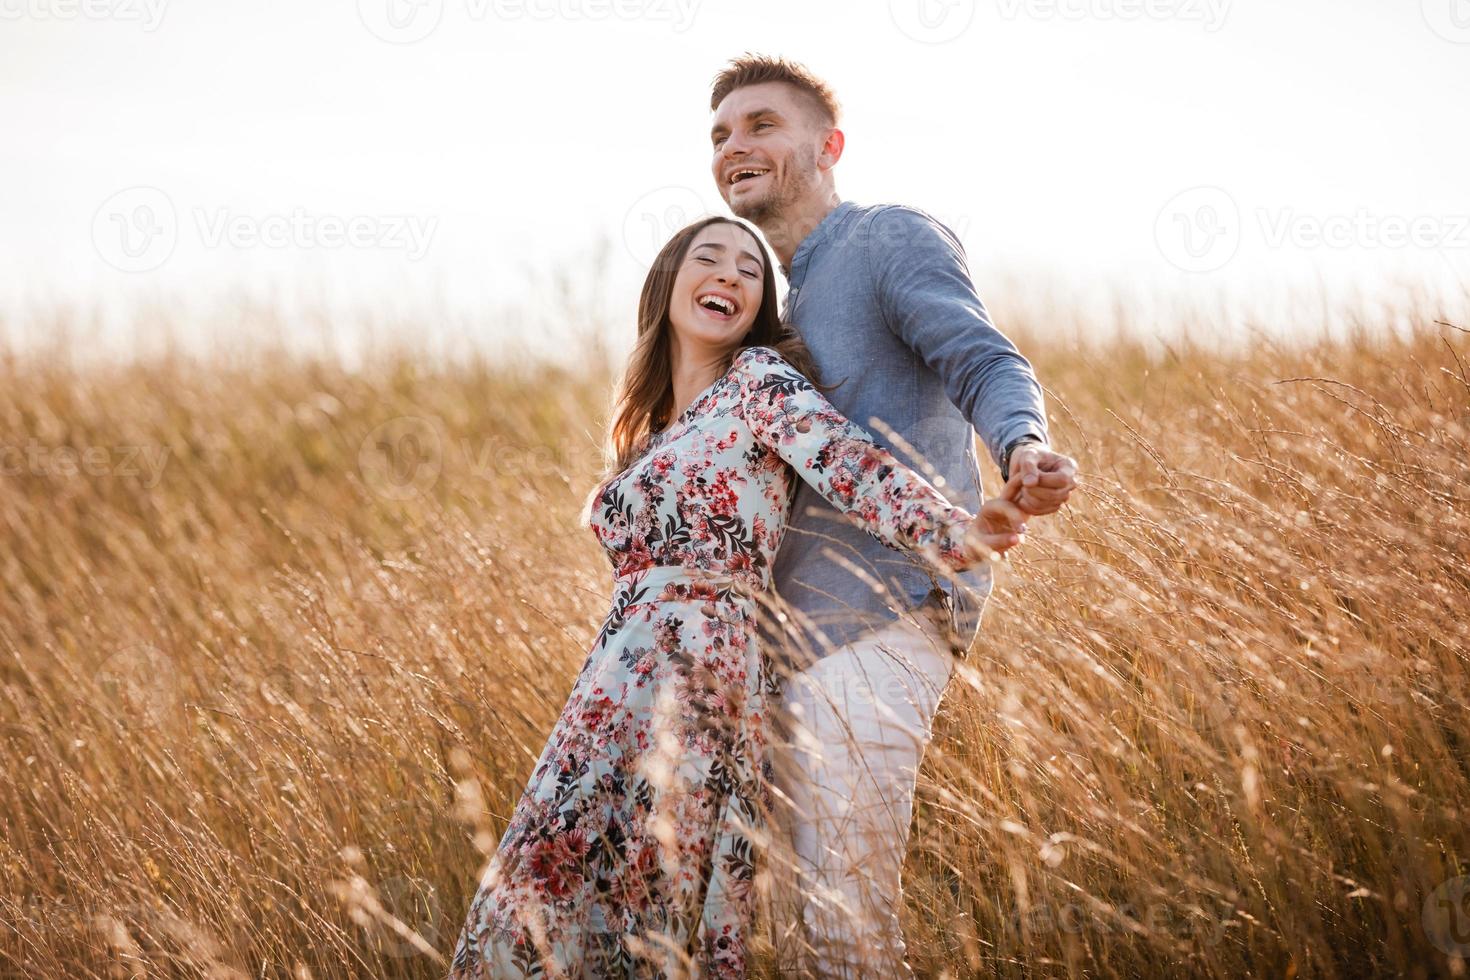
point(883, 298)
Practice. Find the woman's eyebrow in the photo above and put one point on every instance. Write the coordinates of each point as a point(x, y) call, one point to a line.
point(719, 247)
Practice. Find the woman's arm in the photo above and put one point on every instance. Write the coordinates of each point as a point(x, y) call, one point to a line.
point(857, 476)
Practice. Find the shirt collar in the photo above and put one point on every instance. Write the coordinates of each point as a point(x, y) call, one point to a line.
point(824, 229)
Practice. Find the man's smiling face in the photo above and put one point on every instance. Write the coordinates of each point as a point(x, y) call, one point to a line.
point(766, 140)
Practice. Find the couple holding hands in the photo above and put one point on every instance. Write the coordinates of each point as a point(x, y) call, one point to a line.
point(790, 589)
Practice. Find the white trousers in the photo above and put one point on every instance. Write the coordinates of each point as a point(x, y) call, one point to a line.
point(851, 733)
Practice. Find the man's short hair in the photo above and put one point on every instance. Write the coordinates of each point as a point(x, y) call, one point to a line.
point(756, 69)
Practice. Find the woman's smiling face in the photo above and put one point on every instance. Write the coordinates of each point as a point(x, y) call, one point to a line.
point(717, 290)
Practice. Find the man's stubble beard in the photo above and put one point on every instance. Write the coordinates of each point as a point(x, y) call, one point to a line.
point(770, 212)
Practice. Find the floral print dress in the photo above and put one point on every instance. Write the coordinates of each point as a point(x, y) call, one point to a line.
point(632, 852)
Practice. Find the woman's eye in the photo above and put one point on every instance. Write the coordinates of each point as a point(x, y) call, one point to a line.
point(751, 273)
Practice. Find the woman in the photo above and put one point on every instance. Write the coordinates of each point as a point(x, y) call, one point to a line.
point(632, 851)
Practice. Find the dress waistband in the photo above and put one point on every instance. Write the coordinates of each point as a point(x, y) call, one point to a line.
point(678, 583)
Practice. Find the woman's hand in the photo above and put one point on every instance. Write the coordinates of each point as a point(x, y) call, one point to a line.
point(1000, 525)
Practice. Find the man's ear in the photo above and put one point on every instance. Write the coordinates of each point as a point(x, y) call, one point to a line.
point(831, 150)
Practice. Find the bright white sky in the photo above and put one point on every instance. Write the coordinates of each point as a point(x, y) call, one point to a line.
point(481, 148)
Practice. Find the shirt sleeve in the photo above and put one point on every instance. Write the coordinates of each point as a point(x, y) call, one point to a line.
point(924, 290)
point(843, 463)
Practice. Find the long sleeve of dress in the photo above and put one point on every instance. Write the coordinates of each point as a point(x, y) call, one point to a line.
point(842, 462)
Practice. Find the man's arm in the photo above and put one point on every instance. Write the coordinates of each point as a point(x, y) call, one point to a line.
point(927, 297)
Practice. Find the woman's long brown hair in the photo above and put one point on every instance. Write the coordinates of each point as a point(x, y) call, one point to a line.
point(645, 399)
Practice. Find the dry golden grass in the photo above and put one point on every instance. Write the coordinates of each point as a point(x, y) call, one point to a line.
point(264, 703)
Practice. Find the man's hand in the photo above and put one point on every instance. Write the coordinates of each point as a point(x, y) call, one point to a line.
point(999, 526)
point(1047, 478)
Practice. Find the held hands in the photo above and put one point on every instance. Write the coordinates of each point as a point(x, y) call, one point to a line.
point(1048, 478)
point(1001, 523)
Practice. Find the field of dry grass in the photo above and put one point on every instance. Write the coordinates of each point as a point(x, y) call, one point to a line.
point(279, 643)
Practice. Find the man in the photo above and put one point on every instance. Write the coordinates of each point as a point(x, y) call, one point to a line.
point(868, 638)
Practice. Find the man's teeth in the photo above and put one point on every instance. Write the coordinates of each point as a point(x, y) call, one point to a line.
point(719, 303)
point(740, 175)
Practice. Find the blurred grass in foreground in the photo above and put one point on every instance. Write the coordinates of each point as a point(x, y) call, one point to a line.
point(280, 642)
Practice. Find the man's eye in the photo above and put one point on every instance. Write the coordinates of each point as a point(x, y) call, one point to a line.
point(762, 125)
point(718, 141)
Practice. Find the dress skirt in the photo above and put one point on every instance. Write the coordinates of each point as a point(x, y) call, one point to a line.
point(632, 851)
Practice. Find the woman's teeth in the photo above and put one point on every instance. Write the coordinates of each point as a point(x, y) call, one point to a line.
point(718, 304)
